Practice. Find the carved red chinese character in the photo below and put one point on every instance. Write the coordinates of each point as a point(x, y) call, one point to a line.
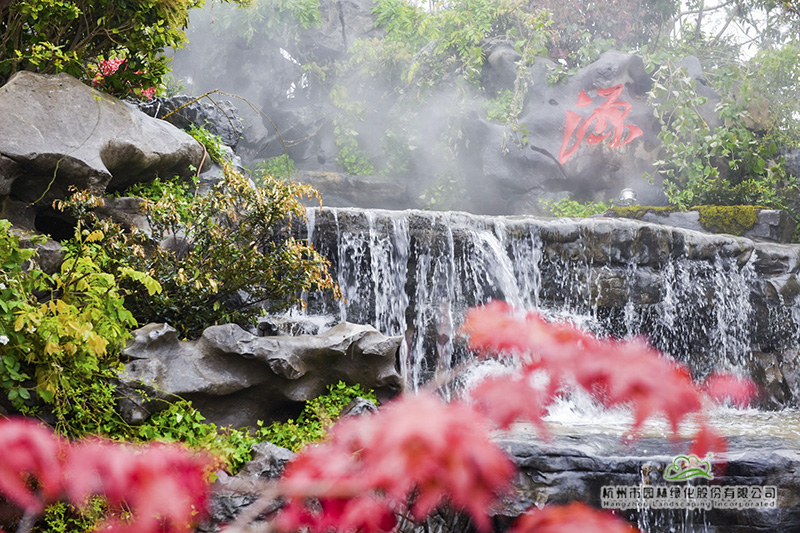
point(612, 112)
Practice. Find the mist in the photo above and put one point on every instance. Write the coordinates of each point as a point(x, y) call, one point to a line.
point(412, 117)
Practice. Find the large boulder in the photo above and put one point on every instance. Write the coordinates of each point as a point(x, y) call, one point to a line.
point(58, 132)
point(590, 136)
point(236, 378)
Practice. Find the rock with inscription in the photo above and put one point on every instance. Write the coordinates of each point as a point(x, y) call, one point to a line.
point(591, 136)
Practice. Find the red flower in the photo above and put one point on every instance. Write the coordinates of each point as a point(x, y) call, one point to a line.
point(110, 66)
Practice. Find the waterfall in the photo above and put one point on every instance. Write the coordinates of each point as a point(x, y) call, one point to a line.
point(696, 297)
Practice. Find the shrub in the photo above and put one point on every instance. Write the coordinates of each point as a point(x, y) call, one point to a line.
point(318, 416)
point(60, 335)
point(726, 165)
point(81, 36)
point(60, 339)
point(223, 256)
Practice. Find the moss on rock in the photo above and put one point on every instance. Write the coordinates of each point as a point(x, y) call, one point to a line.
point(731, 219)
point(638, 211)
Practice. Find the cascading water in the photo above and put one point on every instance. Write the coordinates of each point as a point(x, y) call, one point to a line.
point(413, 273)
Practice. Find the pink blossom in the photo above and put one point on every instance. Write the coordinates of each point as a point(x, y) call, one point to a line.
point(110, 66)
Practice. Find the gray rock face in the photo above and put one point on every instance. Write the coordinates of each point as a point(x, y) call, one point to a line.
point(270, 74)
point(221, 119)
point(231, 494)
point(59, 132)
point(771, 225)
point(236, 378)
point(792, 158)
point(576, 467)
point(344, 190)
point(343, 22)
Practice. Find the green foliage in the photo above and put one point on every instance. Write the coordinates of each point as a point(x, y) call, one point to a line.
point(180, 422)
point(212, 143)
point(726, 165)
point(733, 220)
point(317, 418)
point(425, 47)
point(771, 90)
point(222, 257)
point(567, 207)
point(582, 27)
point(440, 194)
point(62, 332)
point(73, 36)
point(638, 211)
point(501, 109)
point(62, 517)
point(267, 18)
point(352, 159)
point(280, 167)
point(172, 86)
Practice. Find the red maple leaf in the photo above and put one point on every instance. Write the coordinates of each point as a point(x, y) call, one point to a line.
point(164, 487)
point(571, 518)
point(499, 399)
point(30, 457)
point(738, 390)
point(416, 449)
point(615, 372)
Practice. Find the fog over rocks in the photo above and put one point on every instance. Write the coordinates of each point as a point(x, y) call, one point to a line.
point(309, 100)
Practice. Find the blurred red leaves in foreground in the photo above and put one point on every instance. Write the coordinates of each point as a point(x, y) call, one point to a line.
point(721, 387)
point(414, 455)
point(614, 372)
point(163, 488)
point(417, 450)
point(419, 453)
point(571, 518)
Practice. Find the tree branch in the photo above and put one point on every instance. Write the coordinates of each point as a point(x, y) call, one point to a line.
point(731, 15)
